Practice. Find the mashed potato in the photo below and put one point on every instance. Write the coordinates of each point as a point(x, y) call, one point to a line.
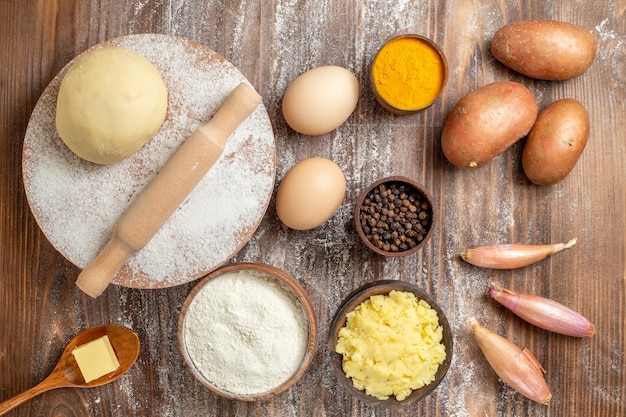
point(391, 345)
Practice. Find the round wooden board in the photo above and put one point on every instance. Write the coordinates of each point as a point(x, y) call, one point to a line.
point(77, 203)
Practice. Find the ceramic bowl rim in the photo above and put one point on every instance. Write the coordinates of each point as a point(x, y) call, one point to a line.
point(355, 298)
point(394, 179)
point(298, 292)
point(382, 100)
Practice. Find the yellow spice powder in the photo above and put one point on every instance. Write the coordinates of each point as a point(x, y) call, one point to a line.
point(391, 345)
point(408, 73)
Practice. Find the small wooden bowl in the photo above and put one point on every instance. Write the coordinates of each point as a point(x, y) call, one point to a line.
point(383, 101)
point(339, 321)
point(414, 186)
point(289, 284)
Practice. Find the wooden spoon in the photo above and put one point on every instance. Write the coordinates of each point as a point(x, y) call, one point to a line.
point(67, 374)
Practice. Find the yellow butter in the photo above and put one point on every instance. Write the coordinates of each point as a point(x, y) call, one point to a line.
point(96, 358)
point(391, 345)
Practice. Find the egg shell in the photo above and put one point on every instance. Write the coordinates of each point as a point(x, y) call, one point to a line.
point(310, 193)
point(320, 100)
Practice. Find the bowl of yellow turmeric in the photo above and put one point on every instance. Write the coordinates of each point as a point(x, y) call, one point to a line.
point(408, 73)
point(390, 344)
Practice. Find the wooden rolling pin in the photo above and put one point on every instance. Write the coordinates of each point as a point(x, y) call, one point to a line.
point(165, 193)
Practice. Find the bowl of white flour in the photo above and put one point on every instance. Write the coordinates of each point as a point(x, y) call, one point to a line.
point(247, 331)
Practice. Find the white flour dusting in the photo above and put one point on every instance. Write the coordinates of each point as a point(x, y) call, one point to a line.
point(77, 203)
point(364, 148)
point(611, 53)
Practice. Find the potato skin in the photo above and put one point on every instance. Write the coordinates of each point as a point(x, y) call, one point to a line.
point(544, 49)
point(555, 142)
point(486, 122)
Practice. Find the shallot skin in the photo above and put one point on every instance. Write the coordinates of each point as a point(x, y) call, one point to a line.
point(542, 312)
point(516, 366)
point(512, 255)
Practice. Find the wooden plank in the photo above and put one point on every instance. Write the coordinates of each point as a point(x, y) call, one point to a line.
point(272, 43)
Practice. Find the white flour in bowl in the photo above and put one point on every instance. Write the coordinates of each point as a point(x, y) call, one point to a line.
point(245, 333)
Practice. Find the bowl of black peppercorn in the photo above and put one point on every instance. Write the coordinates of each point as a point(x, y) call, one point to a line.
point(394, 216)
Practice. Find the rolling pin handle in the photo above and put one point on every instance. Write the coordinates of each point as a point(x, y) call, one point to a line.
point(97, 276)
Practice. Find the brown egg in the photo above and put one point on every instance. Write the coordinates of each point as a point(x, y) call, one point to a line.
point(320, 100)
point(310, 193)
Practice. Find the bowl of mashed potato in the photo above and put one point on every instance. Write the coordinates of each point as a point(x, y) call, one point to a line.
point(390, 343)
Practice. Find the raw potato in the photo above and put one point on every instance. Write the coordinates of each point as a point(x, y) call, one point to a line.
point(545, 49)
point(486, 122)
point(556, 142)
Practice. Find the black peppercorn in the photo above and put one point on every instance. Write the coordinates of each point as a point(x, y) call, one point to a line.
point(395, 217)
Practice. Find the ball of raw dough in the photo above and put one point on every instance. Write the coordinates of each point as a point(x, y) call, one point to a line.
point(111, 102)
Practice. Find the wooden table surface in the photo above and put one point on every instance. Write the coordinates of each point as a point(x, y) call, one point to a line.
point(271, 43)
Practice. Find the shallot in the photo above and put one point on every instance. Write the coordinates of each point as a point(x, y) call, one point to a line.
point(543, 312)
point(516, 366)
point(511, 256)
